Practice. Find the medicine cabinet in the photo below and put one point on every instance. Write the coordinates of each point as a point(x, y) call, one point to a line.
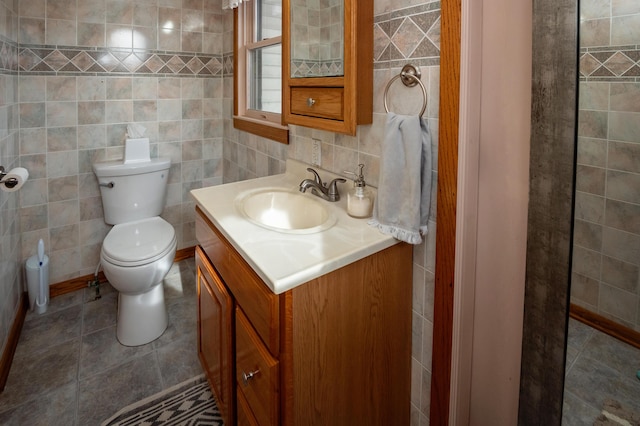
point(327, 65)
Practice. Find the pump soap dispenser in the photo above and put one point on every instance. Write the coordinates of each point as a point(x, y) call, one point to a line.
point(359, 198)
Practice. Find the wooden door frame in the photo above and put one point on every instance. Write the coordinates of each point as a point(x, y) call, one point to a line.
point(463, 358)
point(448, 119)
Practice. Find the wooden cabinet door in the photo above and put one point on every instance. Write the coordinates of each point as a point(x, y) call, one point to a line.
point(215, 335)
point(245, 417)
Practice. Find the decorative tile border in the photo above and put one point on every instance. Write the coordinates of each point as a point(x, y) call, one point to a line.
point(227, 65)
point(59, 60)
point(407, 34)
point(8, 57)
point(311, 68)
point(611, 63)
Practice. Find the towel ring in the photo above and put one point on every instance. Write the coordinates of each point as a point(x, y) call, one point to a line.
point(410, 77)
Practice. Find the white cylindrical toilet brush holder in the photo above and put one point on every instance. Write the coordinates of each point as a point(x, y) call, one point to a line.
point(37, 267)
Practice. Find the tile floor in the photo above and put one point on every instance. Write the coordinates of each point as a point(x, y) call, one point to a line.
point(69, 368)
point(598, 366)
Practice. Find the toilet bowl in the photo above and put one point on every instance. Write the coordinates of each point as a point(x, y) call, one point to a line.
point(138, 251)
point(135, 258)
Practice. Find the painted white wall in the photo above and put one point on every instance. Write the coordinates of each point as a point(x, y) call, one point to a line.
point(492, 211)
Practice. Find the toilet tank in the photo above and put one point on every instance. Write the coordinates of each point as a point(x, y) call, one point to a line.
point(139, 189)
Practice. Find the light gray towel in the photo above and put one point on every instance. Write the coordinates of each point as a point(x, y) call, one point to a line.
point(402, 206)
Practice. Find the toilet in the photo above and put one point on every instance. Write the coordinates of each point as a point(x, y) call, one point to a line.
point(139, 250)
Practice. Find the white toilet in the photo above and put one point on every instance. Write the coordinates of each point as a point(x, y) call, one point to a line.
point(138, 251)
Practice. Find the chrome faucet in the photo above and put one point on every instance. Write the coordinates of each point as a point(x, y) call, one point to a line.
point(322, 190)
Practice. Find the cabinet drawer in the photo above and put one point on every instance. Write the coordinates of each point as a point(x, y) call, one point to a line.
point(258, 302)
point(257, 375)
point(323, 102)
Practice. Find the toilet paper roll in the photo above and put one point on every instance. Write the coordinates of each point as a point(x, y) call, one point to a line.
point(20, 174)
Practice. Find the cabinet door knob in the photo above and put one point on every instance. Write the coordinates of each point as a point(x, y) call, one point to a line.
point(248, 376)
point(311, 102)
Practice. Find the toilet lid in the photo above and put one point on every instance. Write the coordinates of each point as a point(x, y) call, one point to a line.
point(139, 242)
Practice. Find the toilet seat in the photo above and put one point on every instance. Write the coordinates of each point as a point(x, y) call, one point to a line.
point(139, 242)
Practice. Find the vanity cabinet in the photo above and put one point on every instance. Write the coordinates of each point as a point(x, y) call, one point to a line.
point(332, 351)
point(327, 64)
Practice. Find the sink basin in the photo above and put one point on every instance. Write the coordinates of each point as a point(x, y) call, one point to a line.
point(285, 211)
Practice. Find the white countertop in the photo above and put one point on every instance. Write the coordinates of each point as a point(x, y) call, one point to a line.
point(286, 260)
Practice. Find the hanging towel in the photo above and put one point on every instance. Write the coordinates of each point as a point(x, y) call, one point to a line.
point(402, 206)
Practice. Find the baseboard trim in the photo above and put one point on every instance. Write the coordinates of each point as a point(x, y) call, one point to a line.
point(80, 283)
point(605, 325)
point(185, 253)
point(12, 340)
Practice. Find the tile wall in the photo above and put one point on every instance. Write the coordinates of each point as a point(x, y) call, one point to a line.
point(404, 32)
point(606, 254)
point(87, 70)
point(10, 252)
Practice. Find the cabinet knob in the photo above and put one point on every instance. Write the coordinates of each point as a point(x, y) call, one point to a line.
point(248, 376)
point(311, 102)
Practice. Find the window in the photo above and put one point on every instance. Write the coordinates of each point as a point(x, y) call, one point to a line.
point(258, 69)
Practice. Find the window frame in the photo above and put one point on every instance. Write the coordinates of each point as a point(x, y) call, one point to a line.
point(261, 123)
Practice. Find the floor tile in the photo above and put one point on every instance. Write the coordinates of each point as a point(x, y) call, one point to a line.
point(178, 361)
point(69, 368)
point(54, 408)
point(50, 329)
point(41, 372)
point(597, 367)
point(98, 314)
point(102, 351)
point(620, 356)
point(579, 334)
point(103, 394)
point(576, 412)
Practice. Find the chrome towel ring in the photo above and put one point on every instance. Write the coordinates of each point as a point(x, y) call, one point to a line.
point(410, 76)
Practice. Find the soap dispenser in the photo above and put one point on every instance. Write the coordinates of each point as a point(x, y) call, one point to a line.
point(359, 198)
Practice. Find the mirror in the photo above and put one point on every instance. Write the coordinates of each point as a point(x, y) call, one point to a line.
point(317, 38)
point(601, 369)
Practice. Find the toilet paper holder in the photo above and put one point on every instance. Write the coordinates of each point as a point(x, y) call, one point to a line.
point(9, 183)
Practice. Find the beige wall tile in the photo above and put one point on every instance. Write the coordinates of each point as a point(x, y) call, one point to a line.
point(595, 32)
point(623, 186)
point(592, 124)
point(624, 126)
point(63, 188)
point(623, 275)
point(584, 289)
point(590, 179)
point(625, 29)
point(625, 97)
point(587, 235)
point(621, 245)
point(624, 156)
point(586, 262)
point(591, 9)
point(592, 152)
point(594, 95)
point(619, 303)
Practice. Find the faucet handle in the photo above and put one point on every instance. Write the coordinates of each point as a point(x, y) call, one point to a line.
point(316, 176)
point(333, 188)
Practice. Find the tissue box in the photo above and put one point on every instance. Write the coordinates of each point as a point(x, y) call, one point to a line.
point(136, 150)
